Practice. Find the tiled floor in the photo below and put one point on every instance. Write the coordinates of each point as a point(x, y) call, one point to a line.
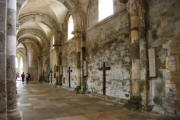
point(44, 102)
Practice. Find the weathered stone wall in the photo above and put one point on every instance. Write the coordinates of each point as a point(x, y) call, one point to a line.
point(69, 59)
point(32, 55)
point(164, 21)
point(3, 40)
point(92, 17)
point(108, 41)
point(53, 62)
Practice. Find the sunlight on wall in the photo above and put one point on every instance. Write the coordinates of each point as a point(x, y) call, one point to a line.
point(53, 41)
point(70, 28)
point(16, 62)
point(105, 9)
point(21, 65)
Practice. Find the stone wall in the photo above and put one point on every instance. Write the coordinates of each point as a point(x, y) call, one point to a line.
point(108, 41)
point(69, 59)
point(53, 62)
point(164, 22)
point(3, 40)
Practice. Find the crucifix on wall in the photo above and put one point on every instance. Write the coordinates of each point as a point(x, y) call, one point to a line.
point(104, 68)
point(69, 71)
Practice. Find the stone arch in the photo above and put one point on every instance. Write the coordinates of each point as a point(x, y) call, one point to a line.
point(34, 32)
point(76, 12)
point(40, 17)
point(30, 39)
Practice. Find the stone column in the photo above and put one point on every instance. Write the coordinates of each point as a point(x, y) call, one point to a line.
point(135, 57)
point(143, 52)
point(138, 50)
point(39, 69)
point(57, 47)
point(3, 92)
point(59, 63)
point(32, 63)
point(57, 66)
point(84, 63)
point(78, 37)
point(24, 64)
point(11, 57)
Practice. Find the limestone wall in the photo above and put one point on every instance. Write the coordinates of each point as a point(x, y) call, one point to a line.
point(108, 41)
point(69, 59)
point(53, 62)
point(164, 16)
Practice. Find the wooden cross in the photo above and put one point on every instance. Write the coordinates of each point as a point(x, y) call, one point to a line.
point(69, 71)
point(104, 68)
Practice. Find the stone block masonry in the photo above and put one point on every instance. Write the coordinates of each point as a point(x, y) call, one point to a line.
point(109, 43)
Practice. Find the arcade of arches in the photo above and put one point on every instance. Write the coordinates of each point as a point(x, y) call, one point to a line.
point(122, 54)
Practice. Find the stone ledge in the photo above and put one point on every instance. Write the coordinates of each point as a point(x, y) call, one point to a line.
point(106, 20)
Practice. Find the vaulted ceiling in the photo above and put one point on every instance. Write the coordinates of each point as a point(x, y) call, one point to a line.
point(39, 20)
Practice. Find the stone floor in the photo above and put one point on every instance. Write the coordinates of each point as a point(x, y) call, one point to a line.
point(45, 102)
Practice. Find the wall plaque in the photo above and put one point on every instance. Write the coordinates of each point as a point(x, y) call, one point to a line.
point(152, 62)
point(85, 68)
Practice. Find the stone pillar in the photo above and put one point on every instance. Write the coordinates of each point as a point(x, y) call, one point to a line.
point(24, 64)
point(32, 63)
point(11, 57)
point(138, 50)
point(57, 67)
point(3, 92)
point(59, 63)
point(78, 37)
point(84, 63)
point(57, 47)
point(135, 57)
point(39, 69)
point(143, 52)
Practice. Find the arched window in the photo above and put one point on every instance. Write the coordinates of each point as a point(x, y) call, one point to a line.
point(105, 8)
point(70, 28)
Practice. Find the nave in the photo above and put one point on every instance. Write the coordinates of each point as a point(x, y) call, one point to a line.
point(41, 101)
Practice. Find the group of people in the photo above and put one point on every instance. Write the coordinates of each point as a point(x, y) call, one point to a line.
point(27, 76)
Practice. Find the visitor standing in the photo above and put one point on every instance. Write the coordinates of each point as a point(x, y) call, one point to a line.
point(17, 75)
point(28, 76)
point(22, 76)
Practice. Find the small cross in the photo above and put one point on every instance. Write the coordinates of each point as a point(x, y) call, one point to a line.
point(104, 68)
point(69, 71)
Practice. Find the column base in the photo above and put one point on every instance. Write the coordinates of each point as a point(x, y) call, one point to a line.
point(13, 115)
point(135, 100)
point(134, 103)
point(77, 89)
